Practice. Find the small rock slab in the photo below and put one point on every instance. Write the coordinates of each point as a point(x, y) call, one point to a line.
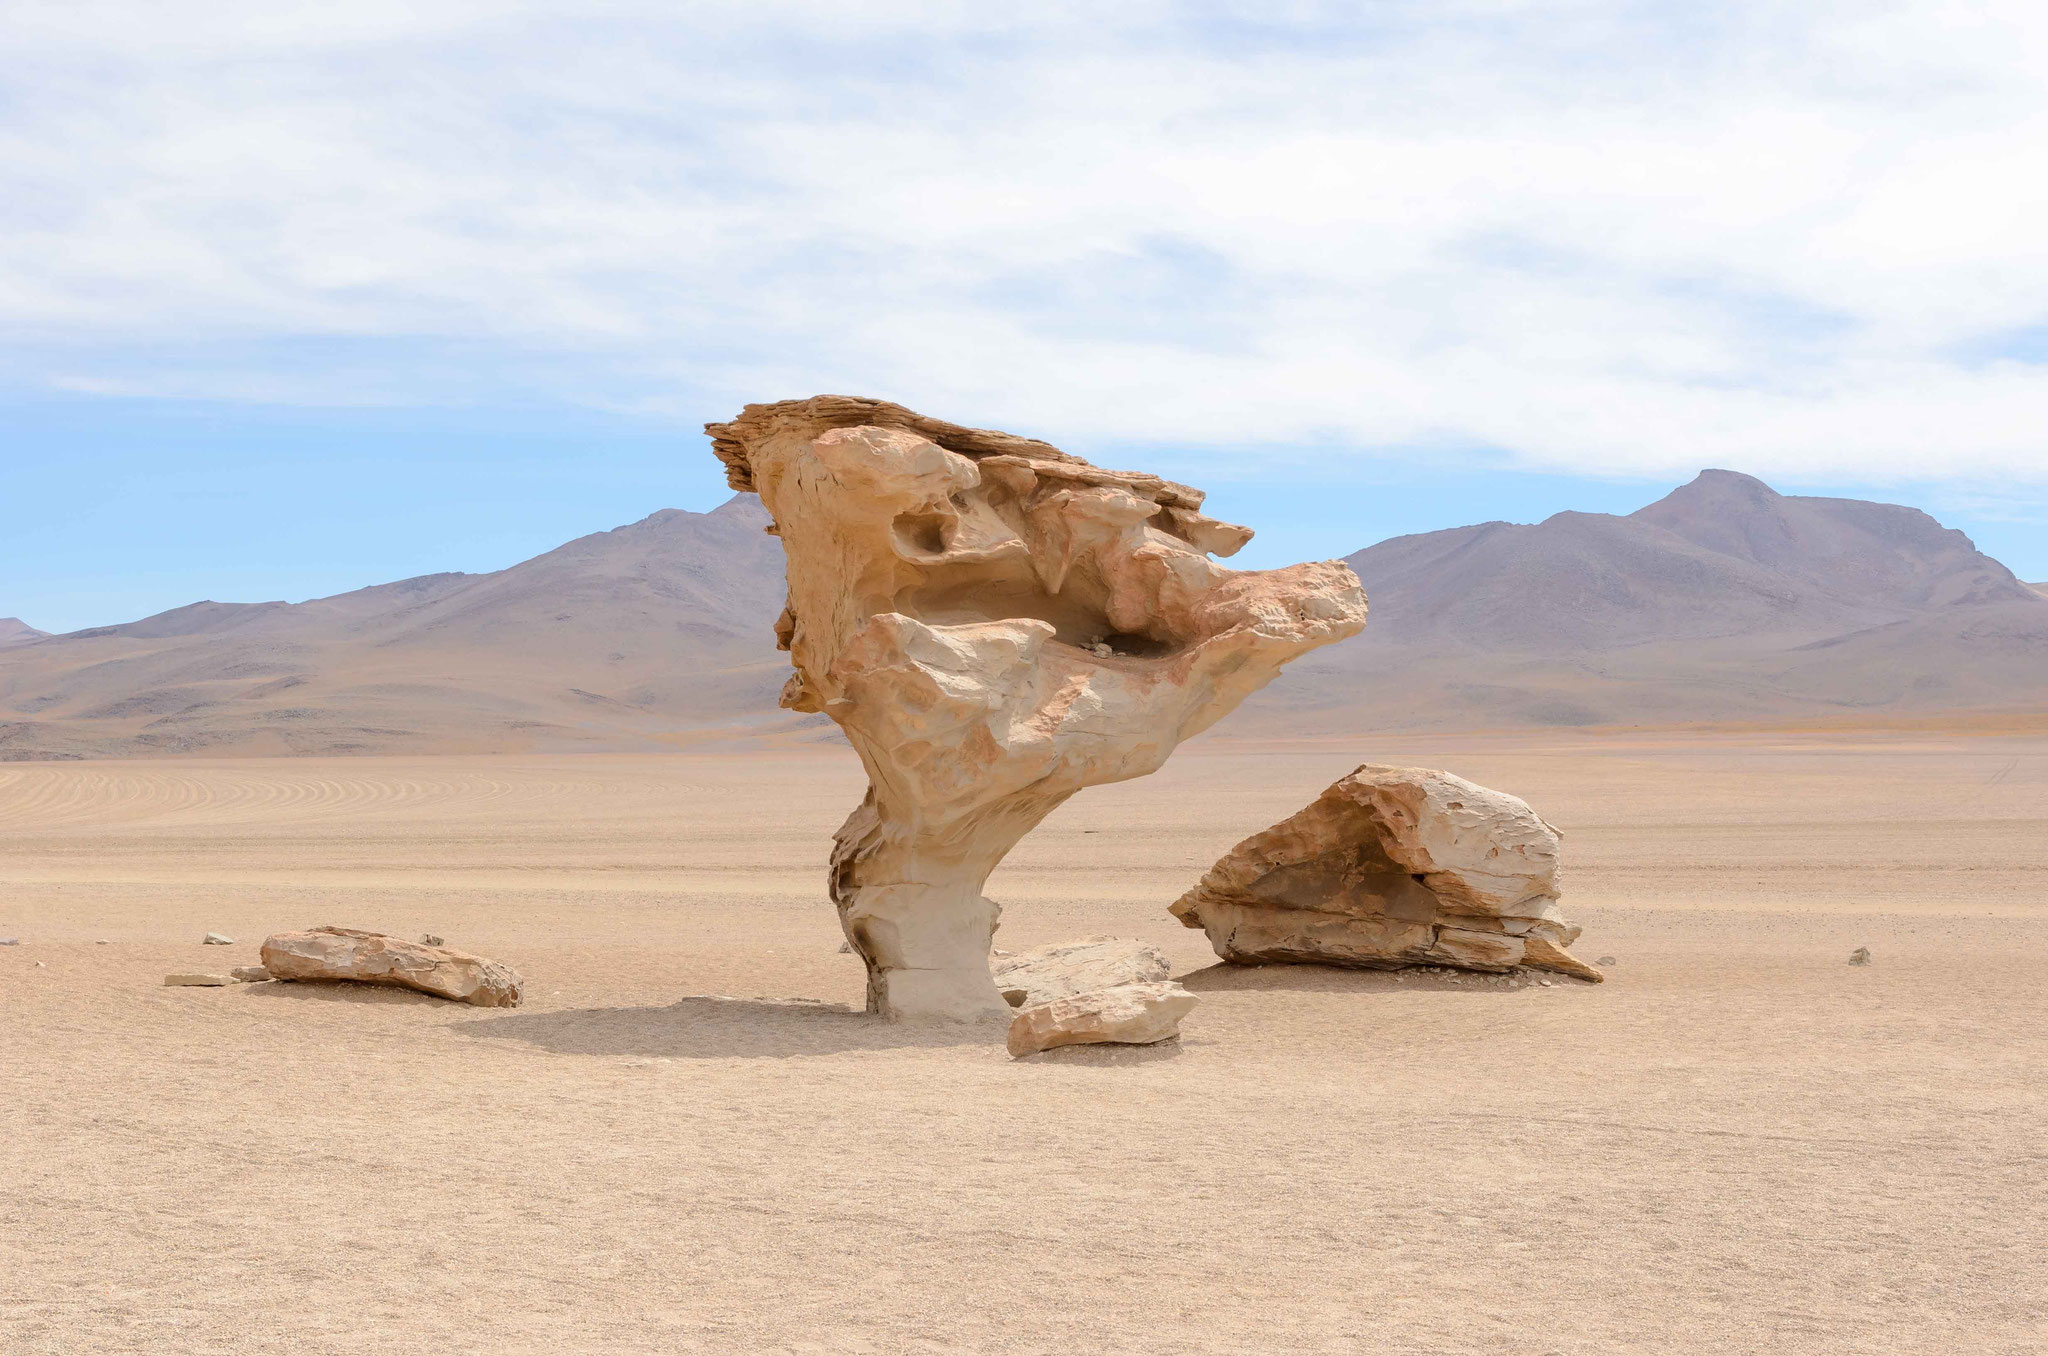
point(197, 981)
point(217, 939)
point(249, 974)
point(1044, 973)
point(1127, 1014)
point(331, 954)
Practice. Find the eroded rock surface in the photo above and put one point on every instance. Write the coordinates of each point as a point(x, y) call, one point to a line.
point(346, 954)
point(1393, 866)
point(995, 624)
point(1128, 1014)
point(1063, 968)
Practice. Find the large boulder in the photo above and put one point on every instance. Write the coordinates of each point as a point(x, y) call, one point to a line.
point(994, 624)
point(1063, 968)
point(347, 954)
point(1127, 1014)
point(1393, 866)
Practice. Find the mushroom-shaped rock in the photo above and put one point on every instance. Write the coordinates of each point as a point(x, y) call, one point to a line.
point(995, 624)
point(1393, 866)
point(346, 954)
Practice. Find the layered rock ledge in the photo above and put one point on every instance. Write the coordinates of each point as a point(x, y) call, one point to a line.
point(1393, 866)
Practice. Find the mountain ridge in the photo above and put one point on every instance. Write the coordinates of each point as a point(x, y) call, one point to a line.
point(1721, 601)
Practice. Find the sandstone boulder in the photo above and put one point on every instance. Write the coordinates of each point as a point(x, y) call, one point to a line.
point(994, 624)
point(1393, 866)
point(1127, 1014)
point(1064, 968)
point(346, 954)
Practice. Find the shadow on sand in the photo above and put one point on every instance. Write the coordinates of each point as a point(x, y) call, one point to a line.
point(724, 1028)
point(1224, 977)
point(321, 991)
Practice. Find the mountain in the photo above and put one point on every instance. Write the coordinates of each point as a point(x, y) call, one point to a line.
point(15, 631)
point(615, 640)
point(1723, 601)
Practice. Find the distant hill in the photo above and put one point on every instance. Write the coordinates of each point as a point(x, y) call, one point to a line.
point(609, 641)
point(2041, 589)
point(15, 631)
point(1723, 601)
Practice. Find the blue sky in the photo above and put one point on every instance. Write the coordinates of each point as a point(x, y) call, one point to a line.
point(298, 298)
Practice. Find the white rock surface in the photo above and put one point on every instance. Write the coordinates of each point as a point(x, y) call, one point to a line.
point(994, 624)
point(1063, 968)
point(1127, 1014)
point(346, 954)
point(1393, 866)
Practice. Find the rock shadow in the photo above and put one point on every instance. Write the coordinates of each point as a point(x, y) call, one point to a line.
point(1109, 1056)
point(1223, 977)
point(343, 991)
point(724, 1028)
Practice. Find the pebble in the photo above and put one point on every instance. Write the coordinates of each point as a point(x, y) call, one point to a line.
point(218, 939)
point(1606, 960)
point(1860, 956)
point(430, 939)
point(10, 941)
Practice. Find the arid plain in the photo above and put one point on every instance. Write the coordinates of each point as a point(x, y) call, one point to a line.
point(1740, 1143)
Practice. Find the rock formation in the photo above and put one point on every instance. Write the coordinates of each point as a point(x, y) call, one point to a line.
point(335, 954)
point(1128, 1014)
point(1393, 866)
point(1064, 968)
point(995, 624)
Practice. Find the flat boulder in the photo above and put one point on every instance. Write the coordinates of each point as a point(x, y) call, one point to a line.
point(1393, 866)
point(1062, 968)
point(1126, 1014)
point(330, 954)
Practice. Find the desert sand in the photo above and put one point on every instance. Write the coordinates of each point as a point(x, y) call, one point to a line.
point(1739, 1143)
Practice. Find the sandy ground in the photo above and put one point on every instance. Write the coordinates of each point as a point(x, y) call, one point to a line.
point(1739, 1144)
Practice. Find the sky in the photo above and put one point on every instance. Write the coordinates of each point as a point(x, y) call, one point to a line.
point(298, 298)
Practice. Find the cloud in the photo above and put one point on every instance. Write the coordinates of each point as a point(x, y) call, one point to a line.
point(1606, 237)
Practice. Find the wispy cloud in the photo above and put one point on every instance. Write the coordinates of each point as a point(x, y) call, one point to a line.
point(1607, 237)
